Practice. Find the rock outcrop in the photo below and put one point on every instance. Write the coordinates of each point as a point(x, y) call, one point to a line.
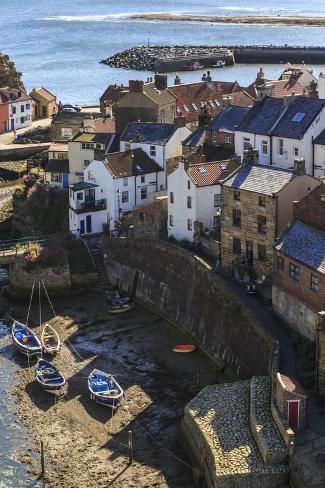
point(9, 76)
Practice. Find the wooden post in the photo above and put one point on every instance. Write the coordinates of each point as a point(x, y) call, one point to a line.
point(130, 447)
point(42, 460)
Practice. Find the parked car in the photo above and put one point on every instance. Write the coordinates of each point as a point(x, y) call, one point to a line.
point(68, 109)
point(76, 108)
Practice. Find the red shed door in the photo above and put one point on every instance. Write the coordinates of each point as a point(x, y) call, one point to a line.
point(293, 413)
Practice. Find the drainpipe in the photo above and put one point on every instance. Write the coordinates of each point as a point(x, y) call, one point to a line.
point(276, 214)
point(135, 191)
point(156, 180)
point(313, 157)
point(165, 166)
point(271, 151)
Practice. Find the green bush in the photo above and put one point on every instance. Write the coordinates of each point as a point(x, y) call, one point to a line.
point(78, 256)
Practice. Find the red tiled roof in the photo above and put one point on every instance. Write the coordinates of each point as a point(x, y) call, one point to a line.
point(113, 93)
point(206, 174)
point(280, 88)
point(241, 99)
point(8, 95)
point(104, 126)
point(201, 93)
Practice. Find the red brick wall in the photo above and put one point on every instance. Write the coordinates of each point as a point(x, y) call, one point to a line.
point(4, 116)
point(220, 138)
point(300, 289)
point(311, 209)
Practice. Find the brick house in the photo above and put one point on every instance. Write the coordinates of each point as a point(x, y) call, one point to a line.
point(44, 103)
point(298, 290)
point(291, 402)
point(257, 206)
point(221, 130)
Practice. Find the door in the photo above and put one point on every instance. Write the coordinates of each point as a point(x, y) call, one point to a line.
point(88, 224)
point(82, 226)
point(90, 195)
point(65, 180)
point(249, 251)
point(12, 124)
point(293, 413)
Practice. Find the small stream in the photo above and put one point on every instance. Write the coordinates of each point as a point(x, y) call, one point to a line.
point(13, 435)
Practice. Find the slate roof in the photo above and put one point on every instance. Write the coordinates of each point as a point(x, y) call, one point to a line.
point(197, 137)
point(320, 139)
point(206, 174)
point(150, 132)
point(130, 163)
point(286, 127)
point(260, 179)
point(82, 185)
point(59, 146)
point(229, 119)
point(74, 117)
point(91, 137)
point(262, 117)
point(161, 97)
point(57, 165)
point(304, 244)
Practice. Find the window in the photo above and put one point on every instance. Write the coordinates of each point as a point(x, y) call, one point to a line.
point(91, 175)
point(143, 193)
point(261, 201)
point(228, 140)
point(186, 108)
point(261, 252)
point(280, 147)
point(56, 177)
point(143, 179)
point(217, 200)
point(80, 196)
point(22, 120)
point(87, 145)
point(189, 202)
point(171, 197)
point(188, 184)
point(152, 150)
point(246, 143)
point(162, 116)
point(171, 220)
point(189, 224)
point(264, 147)
point(27, 106)
point(194, 106)
point(237, 195)
point(22, 108)
point(62, 155)
point(261, 224)
point(125, 181)
point(236, 217)
point(314, 283)
point(213, 136)
point(298, 117)
point(280, 263)
point(294, 271)
point(125, 196)
point(216, 221)
point(66, 132)
point(86, 163)
point(295, 151)
point(13, 110)
point(236, 246)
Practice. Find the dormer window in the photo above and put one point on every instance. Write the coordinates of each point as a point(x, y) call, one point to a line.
point(186, 108)
point(194, 106)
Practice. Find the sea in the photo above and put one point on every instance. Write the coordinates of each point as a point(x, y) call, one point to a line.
point(58, 44)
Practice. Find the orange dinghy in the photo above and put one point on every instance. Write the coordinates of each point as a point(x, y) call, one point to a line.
point(184, 348)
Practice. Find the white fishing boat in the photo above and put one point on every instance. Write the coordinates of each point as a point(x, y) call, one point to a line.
point(50, 340)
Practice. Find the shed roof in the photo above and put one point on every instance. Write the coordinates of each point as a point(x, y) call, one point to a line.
point(197, 137)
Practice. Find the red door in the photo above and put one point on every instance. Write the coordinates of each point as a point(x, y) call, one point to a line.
point(293, 414)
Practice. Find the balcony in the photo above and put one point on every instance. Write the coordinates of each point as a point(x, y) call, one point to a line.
point(90, 206)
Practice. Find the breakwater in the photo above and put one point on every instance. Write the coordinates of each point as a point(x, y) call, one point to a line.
point(164, 58)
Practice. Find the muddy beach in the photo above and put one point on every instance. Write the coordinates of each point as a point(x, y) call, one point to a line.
point(85, 446)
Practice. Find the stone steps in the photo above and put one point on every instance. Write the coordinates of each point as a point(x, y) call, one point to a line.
point(264, 430)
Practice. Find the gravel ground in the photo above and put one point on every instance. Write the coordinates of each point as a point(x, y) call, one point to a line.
point(85, 446)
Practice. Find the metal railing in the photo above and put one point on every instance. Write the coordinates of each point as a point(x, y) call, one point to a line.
point(91, 204)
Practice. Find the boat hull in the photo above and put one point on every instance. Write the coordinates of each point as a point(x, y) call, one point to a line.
point(49, 377)
point(32, 346)
point(107, 402)
point(120, 308)
point(104, 389)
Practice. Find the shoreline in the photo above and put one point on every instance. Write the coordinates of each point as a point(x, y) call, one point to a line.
point(236, 19)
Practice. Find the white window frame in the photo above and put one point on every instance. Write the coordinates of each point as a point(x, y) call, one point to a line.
point(280, 147)
point(153, 151)
point(265, 147)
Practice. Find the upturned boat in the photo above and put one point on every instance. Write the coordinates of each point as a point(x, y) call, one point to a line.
point(50, 340)
point(119, 306)
point(48, 376)
point(25, 340)
point(104, 389)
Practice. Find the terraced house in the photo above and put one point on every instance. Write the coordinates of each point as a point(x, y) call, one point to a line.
point(257, 207)
point(15, 109)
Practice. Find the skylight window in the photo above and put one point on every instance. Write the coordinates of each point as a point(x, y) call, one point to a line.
point(202, 104)
point(202, 170)
point(298, 117)
point(186, 108)
point(211, 102)
point(194, 106)
point(139, 168)
point(217, 103)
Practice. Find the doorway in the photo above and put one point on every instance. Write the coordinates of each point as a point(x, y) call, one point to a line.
point(88, 224)
point(293, 413)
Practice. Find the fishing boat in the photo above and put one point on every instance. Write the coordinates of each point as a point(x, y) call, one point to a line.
point(50, 340)
point(119, 306)
point(104, 389)
point(219, 64)
point(48, 376)
point(25, 340)
point(195, 66)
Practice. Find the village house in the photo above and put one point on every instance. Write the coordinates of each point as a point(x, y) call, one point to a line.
point(282, 130)
point(257, 207)
point(319, 155)
point(195, 201)
point(112, 188)
point(15, 109)
point(298, 291)
point(44, 103)
point(162, 142)
point(221, 130)
point(145, 102)
point(57, 167)
point(281, 88)
point(303, 75)
point(65, 125)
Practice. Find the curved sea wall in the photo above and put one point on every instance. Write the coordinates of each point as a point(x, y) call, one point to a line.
point(182, 287)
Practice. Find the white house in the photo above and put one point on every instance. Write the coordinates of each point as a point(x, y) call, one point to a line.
point(301, 73)
point(15, 109)
point(319, 155)
point(111, 189)
point(57, 167)
point(282, 130)
point(162, 142)
point(194, 202)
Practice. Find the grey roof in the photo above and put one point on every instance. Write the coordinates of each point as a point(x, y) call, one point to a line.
point(196, 138)
point(262, 117)
point(229, 119)
point(74, 117)
point(320, 139)
point(148, 132)
point(57, 165)
point(304, 244)
point(259, 178)
point(82, 185)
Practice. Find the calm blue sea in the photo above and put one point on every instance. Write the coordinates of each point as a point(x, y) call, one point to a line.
point(58, 44)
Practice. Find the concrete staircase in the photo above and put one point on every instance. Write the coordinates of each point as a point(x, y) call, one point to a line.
point(97, 256)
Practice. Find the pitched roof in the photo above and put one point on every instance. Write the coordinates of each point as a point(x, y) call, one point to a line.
point(241, 99)
point(8, 95)
point(304, 244)
point(259, 178)
point(91, 137)
point(130, 163)
point(59, 146)
point(161, 97)
point(207, 174)
point(104, 125)
point(298, 117)
point(280, 88)
point(320, 139)
point(148, 132)
point(197, 138)
point(262, 117)
point(75, 117)
point(113, 93)
point(291, 384)
point(43, 92)
point(229, 119)
point(57, 165)
point(82, 185)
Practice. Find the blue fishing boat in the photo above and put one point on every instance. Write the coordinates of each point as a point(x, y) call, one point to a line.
point(25, 340)
point(48, 376)
point(104, 389)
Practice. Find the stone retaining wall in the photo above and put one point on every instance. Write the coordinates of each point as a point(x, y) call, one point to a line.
point(287, 433)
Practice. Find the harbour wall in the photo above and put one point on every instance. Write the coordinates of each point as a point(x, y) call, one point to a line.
point(183, 289)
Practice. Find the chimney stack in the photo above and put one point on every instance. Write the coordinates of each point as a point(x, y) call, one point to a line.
point(299, 167)
point(136, 86)
point(251, 156)
point(180, 121)
point(177, 80)
point(161, 82)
